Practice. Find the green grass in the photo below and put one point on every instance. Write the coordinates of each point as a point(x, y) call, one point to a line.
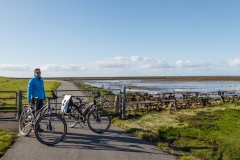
point(13, 85)
point(95, 89)
point(208, 133)
point(6, 140)
point(92, 88)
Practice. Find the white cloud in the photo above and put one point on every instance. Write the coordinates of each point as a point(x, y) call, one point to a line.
point(112, 63)
point(140, 59)
point(155, 64)
point(132, 65)
point(234, 63)
point(189, 64)
point(13, 67)
point(119, 58)
point(146, 59)
point(135, 58)
point(66, 67)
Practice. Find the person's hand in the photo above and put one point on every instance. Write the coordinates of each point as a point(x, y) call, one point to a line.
point(29, 103)
point(45, 101)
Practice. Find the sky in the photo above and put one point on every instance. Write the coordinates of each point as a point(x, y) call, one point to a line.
point(112, 38)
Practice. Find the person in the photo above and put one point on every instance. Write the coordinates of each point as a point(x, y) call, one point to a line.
point(36, 89)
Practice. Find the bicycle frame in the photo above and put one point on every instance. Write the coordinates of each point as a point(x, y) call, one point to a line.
point(98, 120)
point(32, 110)
point(90, 106)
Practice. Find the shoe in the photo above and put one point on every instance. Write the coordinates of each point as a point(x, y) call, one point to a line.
point(40, 130)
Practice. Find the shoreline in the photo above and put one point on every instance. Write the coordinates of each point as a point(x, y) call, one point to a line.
point(155, 78)
point(160, 78)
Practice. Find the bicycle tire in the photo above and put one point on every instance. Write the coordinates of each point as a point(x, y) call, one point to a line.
point(25, 122)
point(53, 134)
point(101, 123)
point(72, 118)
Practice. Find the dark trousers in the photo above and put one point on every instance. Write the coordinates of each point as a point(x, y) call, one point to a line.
point(39, 105)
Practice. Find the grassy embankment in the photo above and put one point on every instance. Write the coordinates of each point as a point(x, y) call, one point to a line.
point(107, 93)
point(11, 84)
point(210, 132)
point(8, 84)
point(6, 140)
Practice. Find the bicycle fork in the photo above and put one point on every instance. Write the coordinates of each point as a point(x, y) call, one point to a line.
point(49, 125)
point(97, 117)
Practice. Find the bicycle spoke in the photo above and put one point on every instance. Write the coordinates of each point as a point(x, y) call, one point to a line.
point(99, 121)
point(50, 131)
point(25, 122)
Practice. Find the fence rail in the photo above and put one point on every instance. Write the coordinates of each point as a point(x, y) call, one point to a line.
point(122, 101)
point(169, 100)
point(20, 100)
point(5, 97)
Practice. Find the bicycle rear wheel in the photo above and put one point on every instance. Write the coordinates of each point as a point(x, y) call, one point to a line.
point(99, 120)
point(50, 129)
point(26, 122)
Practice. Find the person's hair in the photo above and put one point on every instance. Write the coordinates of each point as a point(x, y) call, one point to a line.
point(36, 70)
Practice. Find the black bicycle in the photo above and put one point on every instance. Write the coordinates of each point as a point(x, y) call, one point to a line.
point(50, 128)
point(98, 119)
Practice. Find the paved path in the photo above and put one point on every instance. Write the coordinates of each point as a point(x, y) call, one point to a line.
point(9, 122)
point(82, 143)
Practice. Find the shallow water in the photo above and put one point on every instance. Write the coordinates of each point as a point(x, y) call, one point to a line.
point(156, 87)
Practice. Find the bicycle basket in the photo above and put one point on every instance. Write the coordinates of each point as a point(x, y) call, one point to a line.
point(67, 104)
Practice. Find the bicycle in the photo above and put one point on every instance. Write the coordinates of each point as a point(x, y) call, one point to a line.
point(28, 117)
point(49, 128)
point(98, 119)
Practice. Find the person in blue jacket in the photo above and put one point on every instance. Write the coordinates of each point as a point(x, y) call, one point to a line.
point(36, 89)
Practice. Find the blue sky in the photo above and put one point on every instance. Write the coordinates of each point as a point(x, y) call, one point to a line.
point(105, 38)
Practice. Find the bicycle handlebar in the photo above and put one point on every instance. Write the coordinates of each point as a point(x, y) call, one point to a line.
point(96, 95)
point(54, 96)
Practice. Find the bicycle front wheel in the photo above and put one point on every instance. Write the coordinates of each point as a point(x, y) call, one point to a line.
point(25, 122)
point(99, 120)
point(50, 129)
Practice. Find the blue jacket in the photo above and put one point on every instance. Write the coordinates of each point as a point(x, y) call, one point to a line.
point(36, 89)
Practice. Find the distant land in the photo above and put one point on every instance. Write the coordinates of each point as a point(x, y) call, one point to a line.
point(158, 78)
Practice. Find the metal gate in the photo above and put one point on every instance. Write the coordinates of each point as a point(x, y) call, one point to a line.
point(8, 101)
point(118, 102)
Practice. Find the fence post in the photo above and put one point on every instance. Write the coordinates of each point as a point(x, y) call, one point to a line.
point(116, 103)
point(124, 102)
point(19, 103)
point(16, 105)
point(56, 101)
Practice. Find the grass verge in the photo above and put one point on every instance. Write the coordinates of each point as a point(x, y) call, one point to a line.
point(6, 140)
point(94, 89)
point(11, 84)
point(207, 133)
